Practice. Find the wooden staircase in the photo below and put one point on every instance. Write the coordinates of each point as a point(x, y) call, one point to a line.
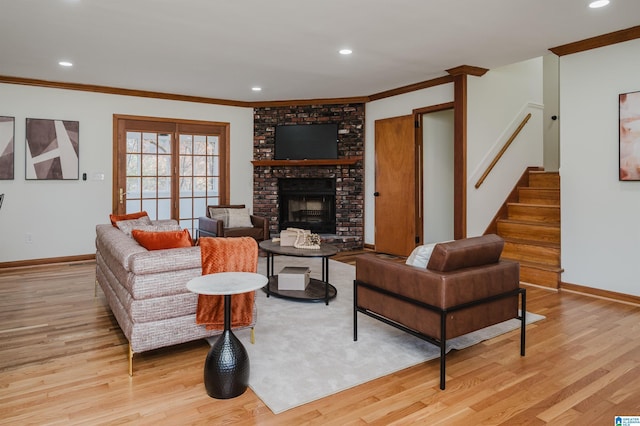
point(531, 228)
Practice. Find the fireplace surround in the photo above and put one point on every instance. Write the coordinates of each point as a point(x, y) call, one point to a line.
point(347, 175)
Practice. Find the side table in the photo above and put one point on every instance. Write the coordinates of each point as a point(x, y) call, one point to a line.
point(226, 370)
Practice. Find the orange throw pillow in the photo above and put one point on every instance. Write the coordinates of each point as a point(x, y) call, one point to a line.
point(159, 240)
point(115, 218)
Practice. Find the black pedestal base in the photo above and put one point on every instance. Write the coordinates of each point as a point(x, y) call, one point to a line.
point(226, 370)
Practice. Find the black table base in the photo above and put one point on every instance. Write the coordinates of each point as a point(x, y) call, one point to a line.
point(226, 370)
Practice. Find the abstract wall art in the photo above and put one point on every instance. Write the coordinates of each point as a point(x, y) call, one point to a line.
point(52, 149)
point(629, 136)
point(7, 147)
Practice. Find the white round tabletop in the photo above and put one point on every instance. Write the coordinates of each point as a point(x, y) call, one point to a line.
point(223, 283)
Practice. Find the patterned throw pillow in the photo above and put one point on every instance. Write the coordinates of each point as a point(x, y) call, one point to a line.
point(127, 226)
point(420, 255)
point(116, 218)
point(231, 218)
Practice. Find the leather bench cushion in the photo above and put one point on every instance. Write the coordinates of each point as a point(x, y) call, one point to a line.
point(466, 253)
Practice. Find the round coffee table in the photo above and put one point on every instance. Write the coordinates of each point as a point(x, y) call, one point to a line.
point(317, 290)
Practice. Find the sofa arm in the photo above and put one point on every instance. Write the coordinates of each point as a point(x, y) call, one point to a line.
point(263, 223)
point(155, 261)
point(210, 227)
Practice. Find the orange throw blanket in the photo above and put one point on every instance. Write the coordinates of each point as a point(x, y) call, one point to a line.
point(234, 254)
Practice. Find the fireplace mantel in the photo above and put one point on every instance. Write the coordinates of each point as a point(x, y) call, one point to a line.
point(302, 163)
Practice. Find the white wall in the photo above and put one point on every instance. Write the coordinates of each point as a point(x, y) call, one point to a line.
point(600, 226)
point(497, 103)
point(61, 215)
point(438, 176)
point(385, 108)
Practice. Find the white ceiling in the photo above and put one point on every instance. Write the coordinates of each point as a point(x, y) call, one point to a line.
point(221, 48)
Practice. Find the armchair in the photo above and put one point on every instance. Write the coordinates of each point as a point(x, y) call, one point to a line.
point(464, 287)
point(232, 221)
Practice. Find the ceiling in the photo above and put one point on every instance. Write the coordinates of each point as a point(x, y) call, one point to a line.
point(222, 48)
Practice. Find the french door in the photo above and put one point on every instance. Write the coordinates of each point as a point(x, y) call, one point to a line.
point(172, 169)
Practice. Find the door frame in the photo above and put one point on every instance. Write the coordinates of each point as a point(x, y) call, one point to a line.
point(116, 161)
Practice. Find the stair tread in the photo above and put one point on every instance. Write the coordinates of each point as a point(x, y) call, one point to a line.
point(530, 222)
point(531, 242)
point(533, 205)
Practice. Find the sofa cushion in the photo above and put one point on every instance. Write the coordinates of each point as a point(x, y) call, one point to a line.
point(420, 255)
point(231, 217)
point(115, 218)
point(143, 223)
point(159, 240)
point(466, 253)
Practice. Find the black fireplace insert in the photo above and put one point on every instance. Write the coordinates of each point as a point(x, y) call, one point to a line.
point(307, 203)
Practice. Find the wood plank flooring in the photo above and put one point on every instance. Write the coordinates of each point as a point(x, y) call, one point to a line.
point(63, 360)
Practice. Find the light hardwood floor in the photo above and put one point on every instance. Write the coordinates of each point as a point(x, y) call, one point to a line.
point(63, 360)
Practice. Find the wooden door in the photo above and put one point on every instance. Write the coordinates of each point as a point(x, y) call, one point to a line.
point(395, 179)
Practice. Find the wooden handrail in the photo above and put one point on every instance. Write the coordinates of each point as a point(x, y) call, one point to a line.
point(502, 151)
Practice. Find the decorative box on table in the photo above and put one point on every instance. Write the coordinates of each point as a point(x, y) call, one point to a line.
point(294, 278)
point(288, 236)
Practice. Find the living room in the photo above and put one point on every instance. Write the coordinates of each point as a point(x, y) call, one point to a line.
point(598, 210)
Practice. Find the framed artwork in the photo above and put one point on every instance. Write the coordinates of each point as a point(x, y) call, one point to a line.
point(52, 148)
point(7, 147)
point(629, 136)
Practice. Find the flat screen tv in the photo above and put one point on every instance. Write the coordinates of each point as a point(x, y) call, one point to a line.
point(306, 142)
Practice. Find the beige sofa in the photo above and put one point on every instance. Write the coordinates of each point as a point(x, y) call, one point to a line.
point(146, 290)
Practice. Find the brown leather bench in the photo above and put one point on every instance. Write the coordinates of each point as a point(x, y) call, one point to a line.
point(465, 287)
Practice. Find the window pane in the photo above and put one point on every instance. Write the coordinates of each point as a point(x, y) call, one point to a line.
point(186, 168)
point(199, 187)
point(133, 141)
point(149, 187)
point(186, 208)
point(150, 207)
point(186, 144)
point(164, 143)
point(213, 167)
point(199, 145)
point(164, 165)
point(212, 186)
point(164, 209)
point(133, 165)
point(200, 166)
point(149, 166)
point(186, 186)
point(213, 201)
point(133, 206)
point(133, 187)
point(212, 145)
point(164, 187)
point(149, 143)
point(199, 207)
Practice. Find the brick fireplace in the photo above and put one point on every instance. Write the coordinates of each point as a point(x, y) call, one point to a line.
point(348, 179)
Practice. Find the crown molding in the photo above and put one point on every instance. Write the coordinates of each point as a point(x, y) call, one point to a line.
point(119, 91)
point(467, 70)
point(599, 41)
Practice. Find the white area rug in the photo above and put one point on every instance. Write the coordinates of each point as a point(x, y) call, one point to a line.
point(305, 351)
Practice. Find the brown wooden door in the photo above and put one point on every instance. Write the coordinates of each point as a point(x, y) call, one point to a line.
point(396, 175)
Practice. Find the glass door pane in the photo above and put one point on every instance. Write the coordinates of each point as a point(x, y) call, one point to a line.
point(148, 175)
point(198, 168)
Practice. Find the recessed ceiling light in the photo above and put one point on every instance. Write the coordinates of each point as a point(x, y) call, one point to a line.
point(65, 64)
point(345, 51)
point(256, 89)
point(598, 3)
